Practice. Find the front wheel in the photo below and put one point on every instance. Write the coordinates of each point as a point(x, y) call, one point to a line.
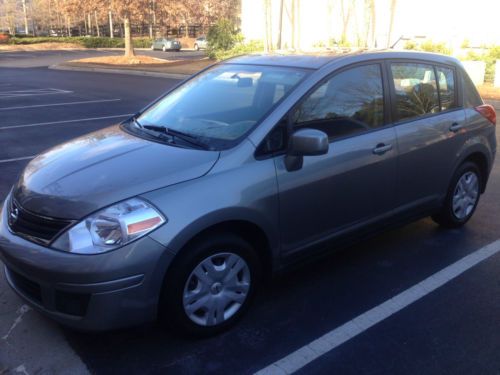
point(210, 286)
point(462, 197)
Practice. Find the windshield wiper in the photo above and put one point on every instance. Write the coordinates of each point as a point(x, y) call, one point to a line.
point(177, 134)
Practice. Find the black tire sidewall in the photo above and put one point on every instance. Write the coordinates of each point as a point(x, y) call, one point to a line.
point(171, 309)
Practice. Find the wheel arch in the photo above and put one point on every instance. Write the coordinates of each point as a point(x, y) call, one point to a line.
point(481, 161)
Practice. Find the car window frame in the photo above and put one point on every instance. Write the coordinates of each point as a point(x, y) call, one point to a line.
point(435, 65)
point(387, 121)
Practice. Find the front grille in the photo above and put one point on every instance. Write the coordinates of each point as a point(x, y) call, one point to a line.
point(29, 288)
point(34, 227)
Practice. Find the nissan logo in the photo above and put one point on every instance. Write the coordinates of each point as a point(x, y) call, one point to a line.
point(14, 214)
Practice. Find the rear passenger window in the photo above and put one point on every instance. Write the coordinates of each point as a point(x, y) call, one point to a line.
point(350, 102)
point(416, 90)
point(446, 82)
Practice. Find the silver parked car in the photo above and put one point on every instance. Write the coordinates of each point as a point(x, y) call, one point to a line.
point(251, 165)
point(200, 43)
point(166, 44)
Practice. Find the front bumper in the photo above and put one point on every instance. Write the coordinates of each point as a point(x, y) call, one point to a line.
point(88, 292)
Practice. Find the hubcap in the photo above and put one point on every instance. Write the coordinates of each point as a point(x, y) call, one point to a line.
point(216, 289)
point(465, 195)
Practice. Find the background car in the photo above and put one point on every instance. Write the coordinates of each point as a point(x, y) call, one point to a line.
point(166, 44)
point(200, 43)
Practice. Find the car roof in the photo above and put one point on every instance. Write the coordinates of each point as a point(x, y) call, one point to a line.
point(316, 61)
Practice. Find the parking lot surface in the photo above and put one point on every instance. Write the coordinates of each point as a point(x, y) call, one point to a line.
point(450, 330)
point(32, 59)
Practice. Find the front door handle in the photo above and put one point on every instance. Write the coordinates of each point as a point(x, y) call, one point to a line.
point(382, 148)
point(455, 127)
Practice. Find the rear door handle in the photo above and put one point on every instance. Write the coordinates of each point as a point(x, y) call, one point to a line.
point(382, 148)
point(455, 127)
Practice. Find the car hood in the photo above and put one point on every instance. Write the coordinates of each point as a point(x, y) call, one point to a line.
point(76, 178)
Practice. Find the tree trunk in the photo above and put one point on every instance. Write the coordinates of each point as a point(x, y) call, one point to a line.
point(89, 20)
point(25, 14)
point(391, 22)
point(97, 24)
point(346, 17)
point(129, 48)
point(268, 43)
point(68, 25)
point(374, 24)
point(111, 31)
point(280, 26)
point(293, 26)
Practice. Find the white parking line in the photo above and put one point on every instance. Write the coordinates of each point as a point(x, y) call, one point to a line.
point(59, 104)
point(17, 159)
point(32, 92)
point(361, 323)
point(64, 121)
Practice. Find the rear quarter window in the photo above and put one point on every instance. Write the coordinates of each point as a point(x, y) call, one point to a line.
point(471, 96)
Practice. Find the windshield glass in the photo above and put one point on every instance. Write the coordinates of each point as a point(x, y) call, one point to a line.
point(224, 103)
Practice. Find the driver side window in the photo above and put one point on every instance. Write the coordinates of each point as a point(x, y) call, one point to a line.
point(350, 102)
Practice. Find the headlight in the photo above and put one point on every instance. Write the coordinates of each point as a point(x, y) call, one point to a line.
point(111, 228)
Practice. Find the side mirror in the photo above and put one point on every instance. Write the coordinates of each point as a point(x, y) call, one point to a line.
point(305, 142)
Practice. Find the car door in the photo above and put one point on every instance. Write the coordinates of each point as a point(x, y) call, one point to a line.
point(355, 181)
point(430, 130)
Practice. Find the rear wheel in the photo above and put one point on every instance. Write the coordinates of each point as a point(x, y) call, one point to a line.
point(462, 198)
point(210, 286)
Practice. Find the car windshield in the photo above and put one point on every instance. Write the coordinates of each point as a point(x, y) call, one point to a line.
point(221, 105)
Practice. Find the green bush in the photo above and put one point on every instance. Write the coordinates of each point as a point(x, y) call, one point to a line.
point(490, 56)
point(222, 36)
point(239, 49)
point(87, 42)
point(428, 46)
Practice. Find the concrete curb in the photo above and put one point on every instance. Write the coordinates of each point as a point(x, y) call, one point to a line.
point(120, 71)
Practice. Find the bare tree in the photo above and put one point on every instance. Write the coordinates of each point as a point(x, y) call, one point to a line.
point(268, 35)
point(25, 16)
point(346, 12)
point(391, 21)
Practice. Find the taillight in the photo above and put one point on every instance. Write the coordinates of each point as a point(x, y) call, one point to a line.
point(488, 112)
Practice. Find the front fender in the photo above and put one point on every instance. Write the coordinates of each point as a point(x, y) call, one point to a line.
point(246, 193)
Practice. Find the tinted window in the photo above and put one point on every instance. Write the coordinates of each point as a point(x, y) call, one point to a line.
point(415, 88)
point(446, 82)
point(349, 102)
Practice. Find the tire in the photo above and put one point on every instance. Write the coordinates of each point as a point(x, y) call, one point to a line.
point(164, 49)
point(462, 197)
point(196, 47)
point(213, 303)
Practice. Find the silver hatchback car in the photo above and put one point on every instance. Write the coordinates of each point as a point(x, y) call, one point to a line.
point(249, 166)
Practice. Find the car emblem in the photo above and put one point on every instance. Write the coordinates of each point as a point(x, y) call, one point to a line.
point(14, 214)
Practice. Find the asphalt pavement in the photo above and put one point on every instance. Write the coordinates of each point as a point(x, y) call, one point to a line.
point(450, 330)
point(33, 59)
